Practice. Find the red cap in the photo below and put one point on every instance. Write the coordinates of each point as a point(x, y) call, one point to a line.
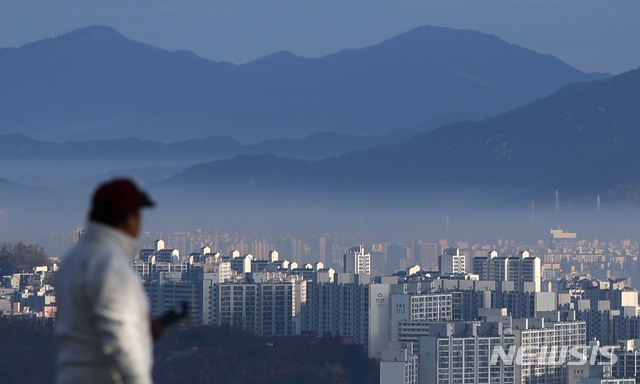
point(120, 195)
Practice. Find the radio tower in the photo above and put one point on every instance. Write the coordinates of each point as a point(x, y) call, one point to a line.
point(557, 202)
point(598, 203)
point(533, 211)
point(447, 226)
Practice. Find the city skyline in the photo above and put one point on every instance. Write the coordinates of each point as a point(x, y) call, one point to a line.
point(425, 326)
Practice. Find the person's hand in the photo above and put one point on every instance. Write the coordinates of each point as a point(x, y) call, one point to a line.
point(158, 325)
point(156, 330)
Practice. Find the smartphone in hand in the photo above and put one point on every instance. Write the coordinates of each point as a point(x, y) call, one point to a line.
point(169, 318)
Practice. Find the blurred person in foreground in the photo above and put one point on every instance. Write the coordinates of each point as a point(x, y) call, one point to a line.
point(102, 324)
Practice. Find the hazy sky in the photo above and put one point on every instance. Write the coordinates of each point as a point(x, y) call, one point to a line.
point(592, 35)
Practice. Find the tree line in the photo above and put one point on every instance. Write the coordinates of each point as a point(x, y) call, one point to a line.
point(206, 354)
point(21, 257)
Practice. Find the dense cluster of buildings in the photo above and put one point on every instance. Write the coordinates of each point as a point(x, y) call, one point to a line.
point(438, 326)
point(29, 293)
point(462, 317)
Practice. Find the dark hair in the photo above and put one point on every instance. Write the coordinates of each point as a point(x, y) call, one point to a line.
point(101, 214)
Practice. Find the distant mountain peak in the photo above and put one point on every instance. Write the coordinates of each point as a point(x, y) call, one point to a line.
point(436, 29)
point(94, 82)
point(281, 54)
point(279, 58)
point(430, 33)
point(95, 32)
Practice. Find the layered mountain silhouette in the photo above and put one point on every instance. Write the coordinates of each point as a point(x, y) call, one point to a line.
point(5, 184)
point(584, 138)
point(319, 145)
point(94, 83)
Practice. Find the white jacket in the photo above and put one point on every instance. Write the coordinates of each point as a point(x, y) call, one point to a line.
point(102, 323)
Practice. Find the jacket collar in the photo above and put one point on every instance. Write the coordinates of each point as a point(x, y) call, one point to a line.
point(103, 234)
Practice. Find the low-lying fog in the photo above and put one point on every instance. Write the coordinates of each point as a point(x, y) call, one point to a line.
point(368, 213)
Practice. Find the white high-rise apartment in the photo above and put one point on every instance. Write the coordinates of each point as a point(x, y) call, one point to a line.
point(524, 270)
point(532, 335)
point(451, 262)
point(412, 313)
point(350, 307)
point(398, 364)
point(481, 265)
point(270, 307)
point(357, 261)
point(460, 353)
point(339, 308)
point(530, 273)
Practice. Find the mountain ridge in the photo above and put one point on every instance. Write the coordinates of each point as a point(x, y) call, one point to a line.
point(16, 146)
point(94, 83)
point(584, 138)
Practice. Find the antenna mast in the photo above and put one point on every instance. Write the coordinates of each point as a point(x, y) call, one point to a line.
point(533, 211)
